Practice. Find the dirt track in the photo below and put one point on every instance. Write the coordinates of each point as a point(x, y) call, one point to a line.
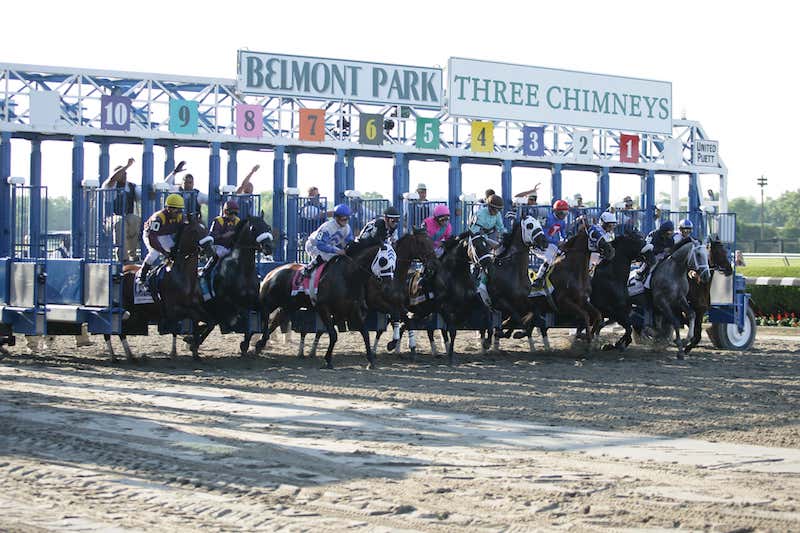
point(512, 441)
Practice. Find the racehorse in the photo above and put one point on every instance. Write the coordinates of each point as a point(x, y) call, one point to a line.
point(569, 277)
point(387, 293)
point(235, 281)
point(700, 292)
point(610, 284)
point(175, 289)
point(450, 282)
point(669, 286)
point(509, 282)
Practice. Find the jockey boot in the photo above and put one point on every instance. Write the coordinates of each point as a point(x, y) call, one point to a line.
point(309, 268)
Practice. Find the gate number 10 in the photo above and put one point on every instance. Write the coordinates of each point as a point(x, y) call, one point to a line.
point(115, 113)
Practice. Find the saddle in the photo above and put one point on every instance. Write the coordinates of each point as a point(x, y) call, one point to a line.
point(307, 285)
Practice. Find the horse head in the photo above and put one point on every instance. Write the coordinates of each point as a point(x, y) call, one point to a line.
point(261, 233)
point(192, 235)
point(718, 255)
point(532, 234)
point(415, 245)
point(698, 261)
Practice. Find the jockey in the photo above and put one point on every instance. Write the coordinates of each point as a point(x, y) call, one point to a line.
point(223, 227)
point(554, 231)
point(158, 231)
point(383, 228)
point(438, 227)
point(486, 228)
point(684, 231)
point(662, 241)
point(329, 240)
point(600, 232)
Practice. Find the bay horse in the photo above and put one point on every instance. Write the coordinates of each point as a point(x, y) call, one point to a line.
point(235, 281)
point(572, 285)
point(387, 293)
point(700, 292)
point(177, 291)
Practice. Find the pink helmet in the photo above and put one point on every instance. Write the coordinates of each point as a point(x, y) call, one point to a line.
point(441, 210)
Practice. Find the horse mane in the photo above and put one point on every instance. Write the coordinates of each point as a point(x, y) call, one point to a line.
point(358, 246)
point(571, 242)
point(508, 237)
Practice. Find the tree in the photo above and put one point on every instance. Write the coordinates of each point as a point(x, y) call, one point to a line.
point(784, 210)
point(372, 195)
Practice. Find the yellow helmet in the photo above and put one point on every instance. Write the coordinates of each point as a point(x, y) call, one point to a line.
point(174, 200)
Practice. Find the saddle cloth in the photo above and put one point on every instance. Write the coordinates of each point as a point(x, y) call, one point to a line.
point(546, 289)
point(142, 287)
point(635, 287)
point(307, 285)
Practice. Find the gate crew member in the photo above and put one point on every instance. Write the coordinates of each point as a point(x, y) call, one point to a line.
point(223, 228)
point(159, 230)
point(187, 186)
point(662, 240)
point(439, 228)
point(555, 231)
point(329, 240)
point(123, 209)
point(382, 228)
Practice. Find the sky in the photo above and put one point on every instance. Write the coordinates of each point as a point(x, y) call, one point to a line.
point(731, 66)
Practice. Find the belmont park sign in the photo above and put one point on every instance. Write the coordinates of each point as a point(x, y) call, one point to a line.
point(339, 79)
point(477, 89)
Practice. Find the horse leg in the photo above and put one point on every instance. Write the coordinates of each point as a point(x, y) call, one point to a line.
point(696, 327)
point(174, 353)
point(196, 341)
point(128, 352)
point(377, 338)
point(267, 327)
point(569, 305)
point(451, 356)
point(412, 345)
point(314, 344)
point(325, 314)
point(110, 347)
point(365, 335)
point(301, 347)
point(397, 335)
point(432, 340)
point(545, 339)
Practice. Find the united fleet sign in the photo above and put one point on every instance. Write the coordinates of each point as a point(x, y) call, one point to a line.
point(338, 79)
point(501, 91)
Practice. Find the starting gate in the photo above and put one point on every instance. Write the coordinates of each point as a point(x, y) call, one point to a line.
point(416, 211)
point(363, 210)
point(23, 275)
point(304, 216)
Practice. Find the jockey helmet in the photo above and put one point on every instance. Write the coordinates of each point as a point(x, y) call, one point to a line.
point(561, 205)
point(342, 210)
point(686, 224)
point(391, 212)
point(231, 205)
point(174, 200)
point(441, 210)
point(608, 218)
point(667, 226)
point(495, 201)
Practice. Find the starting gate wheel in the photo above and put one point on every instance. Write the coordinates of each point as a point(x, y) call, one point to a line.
point(729, 337)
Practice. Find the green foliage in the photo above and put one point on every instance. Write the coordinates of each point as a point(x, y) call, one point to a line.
point(59, 210)
point(749, 232)
point(372, 195)
point(266, 205)
point(774, 299)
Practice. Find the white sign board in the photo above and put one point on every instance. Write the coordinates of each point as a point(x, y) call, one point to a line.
point(338, 79)
point(45, 108)
point(582, 145)
point(705, 153)
point(502, 91)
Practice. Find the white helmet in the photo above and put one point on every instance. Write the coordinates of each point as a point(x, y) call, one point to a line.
point(608, 218)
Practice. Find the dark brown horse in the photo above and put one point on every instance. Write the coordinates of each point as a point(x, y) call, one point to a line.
point(700, 292)
point(572, 285)
point(177, 291)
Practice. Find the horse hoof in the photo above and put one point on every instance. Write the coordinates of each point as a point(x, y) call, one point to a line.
point(371, 366)
point(607, 347)
point(390, 346)
point(520, 334)
point(487, 343)
point(329, 366)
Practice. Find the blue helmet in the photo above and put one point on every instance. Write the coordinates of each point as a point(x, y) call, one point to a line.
point(342, 210)
point(686, 224)
point(667, 226)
